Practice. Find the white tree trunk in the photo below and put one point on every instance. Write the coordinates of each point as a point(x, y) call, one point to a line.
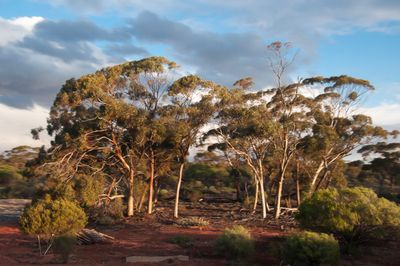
point(178, 188)
point(151, 187)
point(263, 201)
point(256, 196)
point(315, 177)
point(130, 196)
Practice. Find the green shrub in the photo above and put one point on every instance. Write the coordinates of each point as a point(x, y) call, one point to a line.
point(109, 212)
point(192, 221)
point(182, 241)
point(87, 189)
point(351, 213)
point(235, 242)
point(8, 175)
point(309, 248)
point(213, 190)
point(63, 246)
point(48, 217)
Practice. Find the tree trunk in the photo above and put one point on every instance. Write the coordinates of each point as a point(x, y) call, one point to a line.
point(130, 196)
point(321, 181)
point(280, 189)
point(278, 197)
point(178, 188)
point(151, 187)
point(139, 208)
point(315, 177)
point(255, 197)
point(263, 201)
point(298, 197)
point(157, 186)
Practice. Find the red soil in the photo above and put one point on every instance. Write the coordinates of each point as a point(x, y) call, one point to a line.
point(131, 239)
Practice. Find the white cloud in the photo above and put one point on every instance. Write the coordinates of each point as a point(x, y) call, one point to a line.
point(387, 115)
point(13, 30)
point(278, 17)
point(16, 125)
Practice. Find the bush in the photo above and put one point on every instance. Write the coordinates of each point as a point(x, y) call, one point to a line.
point(164, 194)
point(63, 246)
point(87, 189)
point(182, 241)
point(350, 213)
point(48, 217)
point(309, 248)
point(109, 212)
point(235, 242)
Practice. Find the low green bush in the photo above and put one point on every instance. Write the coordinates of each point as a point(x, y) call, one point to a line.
point(63, 246)
point(235, 242)
point(182, 241)
point(352, 214)
point(52, 217)
point(310, 248)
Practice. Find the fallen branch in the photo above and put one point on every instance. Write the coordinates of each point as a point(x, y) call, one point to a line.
point(91, 236)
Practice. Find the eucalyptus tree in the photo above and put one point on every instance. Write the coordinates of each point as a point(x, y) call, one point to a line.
point(386, 162)
point(245, 133)
point(290, 109)
point(191, 108)
point(338, 129)
point(112, 116)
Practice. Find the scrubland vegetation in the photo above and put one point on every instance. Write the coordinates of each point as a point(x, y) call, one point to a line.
point(137, 138)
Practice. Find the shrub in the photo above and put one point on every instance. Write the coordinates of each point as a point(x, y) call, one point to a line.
point(213, 190)
point(235, 242)
point(164, 194)
point(87, 189)
point(309, 248)
point(48, 217)
point(350, 213)
point(192, 221)
point(109, 212)
point(63, 246)
point(182, 241)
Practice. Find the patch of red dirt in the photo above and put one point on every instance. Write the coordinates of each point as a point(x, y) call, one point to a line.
point(131, 239)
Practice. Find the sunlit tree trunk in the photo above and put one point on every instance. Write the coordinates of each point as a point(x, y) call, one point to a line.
point(130, 194)
point(263, 201)
point(151, 186)
point(256, 195)
point(178, 188)
point(315, 177)
point(279, 196)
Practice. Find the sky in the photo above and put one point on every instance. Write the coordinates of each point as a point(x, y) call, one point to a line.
point(45, 42)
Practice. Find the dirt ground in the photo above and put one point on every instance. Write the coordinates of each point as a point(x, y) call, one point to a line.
point(147, 236)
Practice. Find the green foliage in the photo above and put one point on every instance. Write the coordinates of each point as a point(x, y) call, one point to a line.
point(8, 175)
point(207, 174)
point(182, 241)
point(87, 189)
point(310, 248)
point(164, 193)
point(192, 221)
point(109, 212)
point(235, 242)
point(63, 246)
point(351, 213)
point(47, 217)
point(13, 184)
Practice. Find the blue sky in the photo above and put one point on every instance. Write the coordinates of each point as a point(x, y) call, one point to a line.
point(45, 42)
